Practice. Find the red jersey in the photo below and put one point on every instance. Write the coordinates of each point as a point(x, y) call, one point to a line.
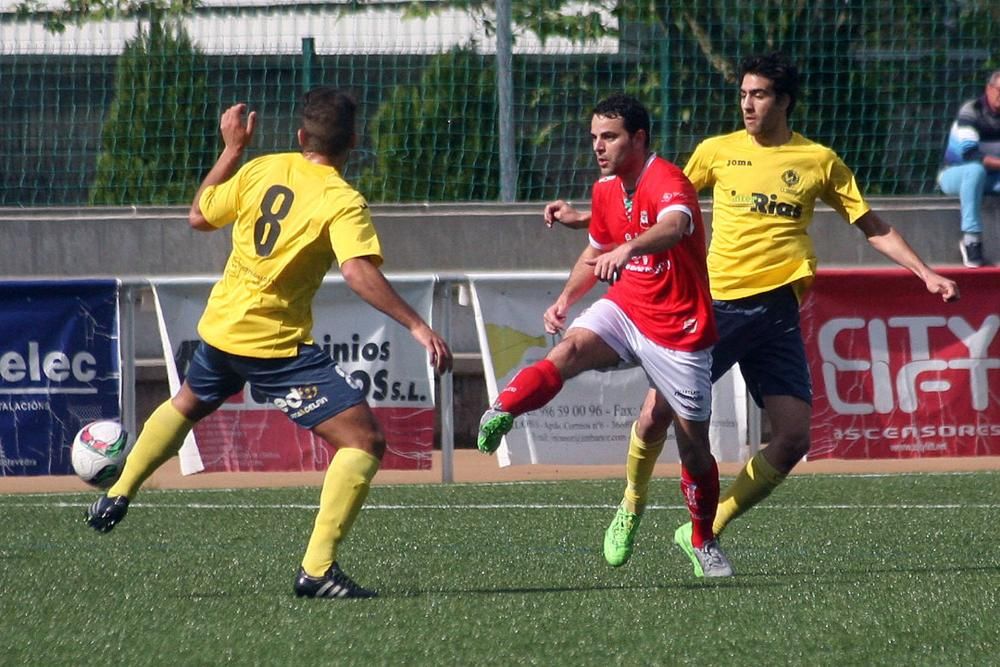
point(665, 294)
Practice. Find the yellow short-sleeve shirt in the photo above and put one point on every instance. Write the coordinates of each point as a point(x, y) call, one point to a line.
point(763, 202)
point(291, 220)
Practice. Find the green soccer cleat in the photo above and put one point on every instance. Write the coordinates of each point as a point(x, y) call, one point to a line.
point(709, 561)
point(620, 537)
point(494, 425)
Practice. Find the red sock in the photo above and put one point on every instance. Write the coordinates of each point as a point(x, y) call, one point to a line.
point(531, 388)
point(702, 497)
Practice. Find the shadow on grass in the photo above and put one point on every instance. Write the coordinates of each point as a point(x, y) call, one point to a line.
point(748, 581)
point(842, 574)
point(391, 593)
point(733, 583)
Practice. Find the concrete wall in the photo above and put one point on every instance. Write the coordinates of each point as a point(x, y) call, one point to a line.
point(147, 242)
point(55, 242)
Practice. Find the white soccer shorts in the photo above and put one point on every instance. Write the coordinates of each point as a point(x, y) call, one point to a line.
point(684, 378)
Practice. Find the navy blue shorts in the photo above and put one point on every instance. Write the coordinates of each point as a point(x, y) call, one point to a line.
point(761, 333)
point(309, 388)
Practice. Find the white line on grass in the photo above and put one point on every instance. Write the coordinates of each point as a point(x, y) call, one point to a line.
point(496, 506)
point(527, 482)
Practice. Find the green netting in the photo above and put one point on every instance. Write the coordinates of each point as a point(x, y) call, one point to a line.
point(124, 111)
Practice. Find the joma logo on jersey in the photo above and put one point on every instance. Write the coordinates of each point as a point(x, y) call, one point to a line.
point(769, 205)
point(739, 163)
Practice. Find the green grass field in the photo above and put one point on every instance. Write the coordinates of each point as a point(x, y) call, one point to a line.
point(831, 570)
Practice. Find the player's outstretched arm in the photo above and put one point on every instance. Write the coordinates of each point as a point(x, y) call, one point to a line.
point(236, 136)
point(563, 212)
point(370, 284)
point(891, 243)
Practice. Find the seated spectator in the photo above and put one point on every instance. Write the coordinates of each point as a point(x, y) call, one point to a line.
point(972, 165)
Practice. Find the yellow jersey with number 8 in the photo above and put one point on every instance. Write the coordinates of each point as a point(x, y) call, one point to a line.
point(291, 219)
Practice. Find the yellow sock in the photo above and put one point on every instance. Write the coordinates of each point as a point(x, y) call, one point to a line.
point(161, 436)
point(344, 491)
point(754, 483)
point(639, 470)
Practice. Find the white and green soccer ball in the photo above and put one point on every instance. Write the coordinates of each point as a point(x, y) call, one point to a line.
point(99, 451)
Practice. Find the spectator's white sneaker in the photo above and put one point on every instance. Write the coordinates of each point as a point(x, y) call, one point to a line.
point(972, 254)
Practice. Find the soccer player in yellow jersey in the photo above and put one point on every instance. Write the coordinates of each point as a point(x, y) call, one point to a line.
point(765, 181)
point(293, 215)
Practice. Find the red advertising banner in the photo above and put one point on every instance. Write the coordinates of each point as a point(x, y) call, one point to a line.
point(896, 372)
point(277, 444)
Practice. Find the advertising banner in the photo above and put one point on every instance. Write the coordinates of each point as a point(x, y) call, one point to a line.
point(896, 372)
point(59, 369)
point(249, 434)
point(589, 421)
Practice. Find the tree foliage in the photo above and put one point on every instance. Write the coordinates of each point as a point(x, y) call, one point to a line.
point(881, 81)
point(158, 139)
point(437, 140)
point(684, 56)
point(76, 12)
point(577, 20)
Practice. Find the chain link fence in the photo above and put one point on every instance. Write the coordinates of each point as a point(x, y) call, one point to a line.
point(124, 111)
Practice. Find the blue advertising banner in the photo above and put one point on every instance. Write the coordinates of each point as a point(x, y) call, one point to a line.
point(59, 369)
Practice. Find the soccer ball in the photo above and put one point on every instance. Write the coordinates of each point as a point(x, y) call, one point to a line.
point(99, 452)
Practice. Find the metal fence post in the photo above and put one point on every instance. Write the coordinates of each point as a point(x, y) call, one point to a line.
point(126, 342)
point(505, 102)
point(447, 394)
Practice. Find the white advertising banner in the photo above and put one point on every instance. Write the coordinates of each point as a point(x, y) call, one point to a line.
point(248, 433)
point(589, 421)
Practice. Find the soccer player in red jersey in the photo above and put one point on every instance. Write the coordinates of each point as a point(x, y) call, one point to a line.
point(647, 240)
point(760, 264)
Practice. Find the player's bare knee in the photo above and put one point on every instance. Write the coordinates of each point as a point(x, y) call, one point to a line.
point(650, 428)
point(374, 445)
point(793, 446)
point(567, 349)
point(371, 443)
point(566, 358)
point(356, 428)
point(370, 438)
point(693, 446)
point(581, 350)
point(696, 457)
point(654, 420)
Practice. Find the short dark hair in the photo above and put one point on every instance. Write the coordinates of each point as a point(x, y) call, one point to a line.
point(781, 71)
point(634, 115)
point(328, 117)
